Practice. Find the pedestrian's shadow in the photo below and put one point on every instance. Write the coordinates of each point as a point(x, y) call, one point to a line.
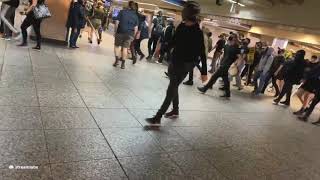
point(151, 128)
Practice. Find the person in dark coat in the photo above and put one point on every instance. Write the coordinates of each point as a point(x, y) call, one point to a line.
point(188, 45)
point(76, 21)
point(293, 74)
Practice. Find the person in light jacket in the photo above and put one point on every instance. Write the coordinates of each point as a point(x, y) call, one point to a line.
point(263, 70)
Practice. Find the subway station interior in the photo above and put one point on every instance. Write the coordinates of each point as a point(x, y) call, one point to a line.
point(67, 113)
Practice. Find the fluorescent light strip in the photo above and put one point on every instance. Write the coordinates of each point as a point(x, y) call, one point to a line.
point(235, 2)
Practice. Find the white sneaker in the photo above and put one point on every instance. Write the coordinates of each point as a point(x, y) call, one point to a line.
point(18, 37)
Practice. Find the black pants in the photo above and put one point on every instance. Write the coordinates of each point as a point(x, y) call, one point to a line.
point(137, 46)
point(248, 70)
point(314, 103)
point(36, 23)
point(75, 32)
point(164, 51)
point(152, 44)
point(191, 72)
point(286, 90)
point(223, 73)
point(274, 83)
point(176, 77)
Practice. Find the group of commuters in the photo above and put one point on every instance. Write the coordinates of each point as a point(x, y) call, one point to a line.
point(8, 13)
point(82, 13)
point(188, 46)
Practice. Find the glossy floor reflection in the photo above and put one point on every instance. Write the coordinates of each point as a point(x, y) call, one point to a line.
point(74, 116)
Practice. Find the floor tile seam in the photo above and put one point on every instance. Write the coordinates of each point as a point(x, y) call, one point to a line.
point(103, 135)
point(41, 119)
point(106, 85)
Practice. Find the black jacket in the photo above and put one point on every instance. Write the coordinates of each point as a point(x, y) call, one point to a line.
point(294, 70)
point(76, 18)
point(188, 46)
point(13, 3)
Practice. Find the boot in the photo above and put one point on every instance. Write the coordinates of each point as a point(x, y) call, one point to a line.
point(123, 64)
point(154, 121)
point(300, 112)
point(116, 63)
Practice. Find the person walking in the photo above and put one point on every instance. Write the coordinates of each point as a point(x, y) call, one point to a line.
point(313, 76)
point(293, 73)
point(157, 27)
point(9, 9)
point(76, 22)
point(263, 71)
point(188, 45)
point(217, 53)
point(276, 66)
point(126, 27)
point(208, 48)
point(231, 54)
point(31, 20)
point(165, 39)
point(143, 33)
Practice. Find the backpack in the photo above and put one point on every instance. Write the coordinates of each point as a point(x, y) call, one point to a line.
point(158, 27)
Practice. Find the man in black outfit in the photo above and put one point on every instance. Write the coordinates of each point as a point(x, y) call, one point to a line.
point(293, 74)
point(231, 53)
point(188, 45)
point(166, 38)
point(156, 31)
point(313, 75)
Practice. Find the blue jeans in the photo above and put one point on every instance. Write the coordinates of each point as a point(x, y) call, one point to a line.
point(75, 32)
point(262, 80)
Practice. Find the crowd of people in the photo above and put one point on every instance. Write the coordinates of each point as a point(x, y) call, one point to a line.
point(8, 13)
point(187, 46)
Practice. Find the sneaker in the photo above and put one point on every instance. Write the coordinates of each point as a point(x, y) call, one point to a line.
point(149, 58)
point(7, 38)
point(211, 71)
point(141, 57)
point(275, 102)
point(285, 103)
point(23, 45)
point(203, 90)
point(172, 114)
point(37, 48)
point(227, 97)
point(222, 89)
point(316, 123)
point(158, 62)
point(188, 83)
point(154, 121)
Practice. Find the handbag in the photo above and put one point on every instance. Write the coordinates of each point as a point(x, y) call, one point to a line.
point(41, 11)
point(233, 70)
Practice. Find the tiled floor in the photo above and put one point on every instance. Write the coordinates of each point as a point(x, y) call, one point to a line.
point(76, 117)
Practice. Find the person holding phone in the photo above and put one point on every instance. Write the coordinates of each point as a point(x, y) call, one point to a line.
point(188, 45)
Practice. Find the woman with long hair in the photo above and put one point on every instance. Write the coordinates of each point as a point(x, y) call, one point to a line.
point(31, 20)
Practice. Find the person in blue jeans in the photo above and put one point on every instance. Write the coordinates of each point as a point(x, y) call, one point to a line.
point(76, 21)
point(263, 70)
